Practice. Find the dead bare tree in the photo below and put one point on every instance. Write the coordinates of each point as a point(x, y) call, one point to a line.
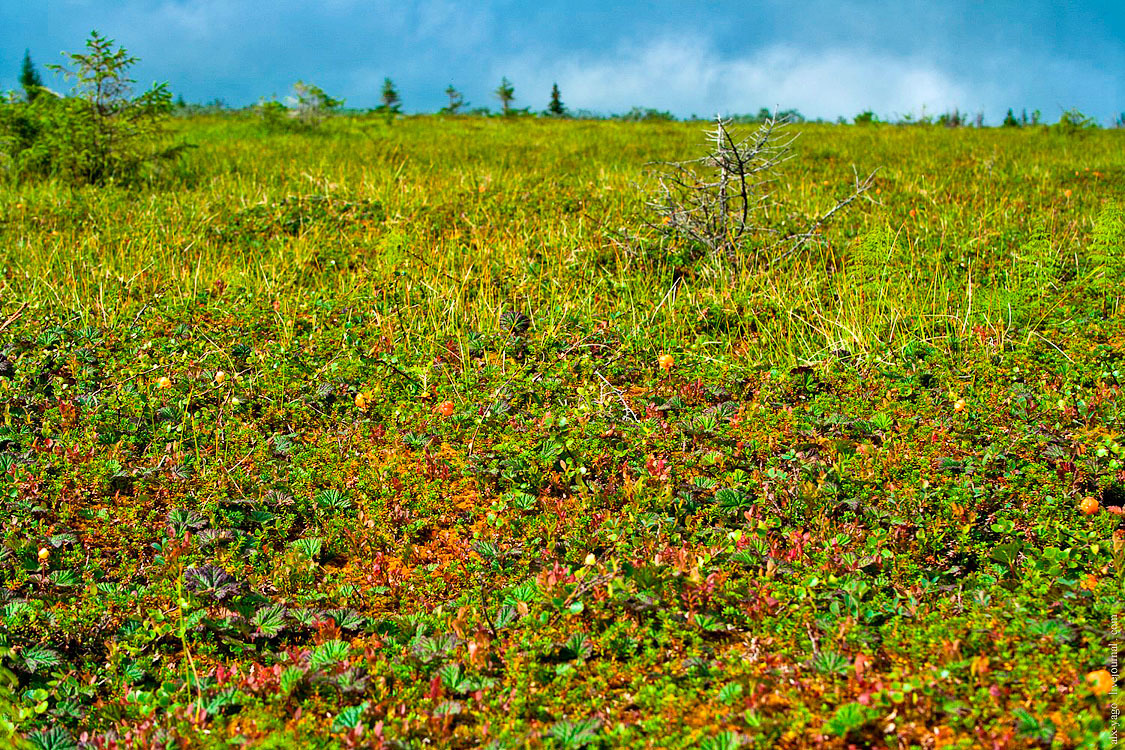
point(718, 205)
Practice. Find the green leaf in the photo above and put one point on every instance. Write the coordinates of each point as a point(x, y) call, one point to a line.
point(575, 733)
point(310, 547)
point(722, 741)
point(327, 653)
point(455, 679)
point(35, 658)
point(349, 717)
point(55, 738)
point(289, 679)
point(730, 692)
point(1006, 553)
point(848, 718)
point(732, 498)
point(269, 620)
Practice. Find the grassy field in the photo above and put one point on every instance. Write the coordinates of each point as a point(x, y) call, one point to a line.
point(363, 438)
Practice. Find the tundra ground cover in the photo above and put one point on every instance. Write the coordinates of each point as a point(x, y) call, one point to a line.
point(396, 433)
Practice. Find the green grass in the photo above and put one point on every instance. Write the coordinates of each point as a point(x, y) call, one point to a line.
point(848, 513)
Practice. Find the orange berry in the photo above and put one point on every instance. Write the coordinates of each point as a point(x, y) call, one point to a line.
point(1068, 192)
point(1089, 506)
point(445, 408)
point(1100, 682)
point(44, 553)
point(913, 213)
point(959, 405)
point(163, 382)
point(1090, 582)
point(665, 361)
point(361, 401)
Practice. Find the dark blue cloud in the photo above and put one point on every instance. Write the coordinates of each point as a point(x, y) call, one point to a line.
point(828, 58)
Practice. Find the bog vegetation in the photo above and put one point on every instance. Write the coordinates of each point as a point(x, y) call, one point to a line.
point(384, 431)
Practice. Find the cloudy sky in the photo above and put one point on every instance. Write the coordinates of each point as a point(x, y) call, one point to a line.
point(688, 56)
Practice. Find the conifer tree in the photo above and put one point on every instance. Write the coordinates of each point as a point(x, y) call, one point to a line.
point(506, 93)
point(456, 101)
point(392, 102)
point(556, 108)
point(30, 79)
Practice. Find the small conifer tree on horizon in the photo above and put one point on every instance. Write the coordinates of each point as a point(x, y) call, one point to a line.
point(392, 102)
point(456, 101)
point(556, 108)
point(506, 93)
point(30, 80)
point(101, 133)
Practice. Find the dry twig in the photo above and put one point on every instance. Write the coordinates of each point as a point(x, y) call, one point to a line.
point(718, 203)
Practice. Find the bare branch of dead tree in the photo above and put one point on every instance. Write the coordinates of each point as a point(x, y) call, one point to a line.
point(717, 206)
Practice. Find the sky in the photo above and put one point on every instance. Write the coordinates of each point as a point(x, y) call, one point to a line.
point(701, 57)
